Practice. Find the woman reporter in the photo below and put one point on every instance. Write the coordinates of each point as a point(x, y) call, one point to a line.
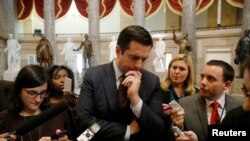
point(27, 101)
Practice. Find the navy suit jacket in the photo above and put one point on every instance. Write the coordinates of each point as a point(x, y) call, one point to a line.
point(98, 102)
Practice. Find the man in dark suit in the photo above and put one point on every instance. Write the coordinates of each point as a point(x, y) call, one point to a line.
point(98, 102)
point(216, 78)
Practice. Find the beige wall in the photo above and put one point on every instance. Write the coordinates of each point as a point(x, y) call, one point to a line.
point(218, 44)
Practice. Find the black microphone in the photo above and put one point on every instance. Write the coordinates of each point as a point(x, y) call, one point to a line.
point(41, 118)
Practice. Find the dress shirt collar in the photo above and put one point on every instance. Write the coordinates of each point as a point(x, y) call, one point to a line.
point(118, 73)
point(221, 100)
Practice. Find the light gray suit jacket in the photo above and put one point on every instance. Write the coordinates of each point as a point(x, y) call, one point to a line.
point(196, 113)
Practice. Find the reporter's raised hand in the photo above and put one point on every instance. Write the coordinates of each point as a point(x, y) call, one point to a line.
point(177, 116)
point(61, 135)
point(189, 136)
point(166, 110)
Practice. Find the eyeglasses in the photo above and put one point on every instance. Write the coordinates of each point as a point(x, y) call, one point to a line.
point(33, 94)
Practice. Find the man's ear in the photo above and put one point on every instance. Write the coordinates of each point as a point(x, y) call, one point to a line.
point(227, 85)
point(118, 51)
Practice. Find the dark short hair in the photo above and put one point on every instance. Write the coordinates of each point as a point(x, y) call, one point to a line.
point(30, 76)
point(228, 71)
point(54, 70)
point(134, 33)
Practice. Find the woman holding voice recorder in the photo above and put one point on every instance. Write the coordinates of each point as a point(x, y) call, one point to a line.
point(27, 102)
point(178, 83)
point(61, 84)
point(58, 76)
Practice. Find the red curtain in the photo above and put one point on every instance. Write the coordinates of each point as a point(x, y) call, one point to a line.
point(82, 6)
point(61, 7)
point(236, 3)
point(127, 6)
point(151, 6)
point(24, 8)
point(39, 7)
point(106, 6)
point(201, 5)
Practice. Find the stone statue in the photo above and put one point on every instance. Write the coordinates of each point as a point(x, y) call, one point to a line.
point(112, 47)
point(87, 51)
point(242, 51)
point(70, 55)
point(13, 55)
point(44, 52)
point(183, 43)
point(159, 61)
point(160, 47)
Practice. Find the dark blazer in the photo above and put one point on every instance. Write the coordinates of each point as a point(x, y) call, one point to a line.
point(196, 113)
point(168, 96)
point(5, 89)
point(98, 102)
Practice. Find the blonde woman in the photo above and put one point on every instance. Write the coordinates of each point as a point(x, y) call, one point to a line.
point(178, 83)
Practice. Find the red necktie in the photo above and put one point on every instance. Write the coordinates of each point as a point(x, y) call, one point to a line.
point(215, 117)
point(122, 94)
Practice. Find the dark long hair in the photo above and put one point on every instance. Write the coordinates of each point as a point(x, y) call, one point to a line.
point(29, 76)
point(54, 70)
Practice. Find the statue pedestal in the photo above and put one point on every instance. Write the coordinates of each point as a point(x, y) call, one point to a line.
point(10, 75)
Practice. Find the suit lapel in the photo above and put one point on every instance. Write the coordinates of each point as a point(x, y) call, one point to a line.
point(143, 89)
point(202, 113)
point(109, 83)
point(229, 103)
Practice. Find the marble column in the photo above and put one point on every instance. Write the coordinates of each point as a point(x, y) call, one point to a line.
point(188, 26)
point(246, 16)
point(49, 26)
point(94, 30)
point(9, 21)
point(139, 12)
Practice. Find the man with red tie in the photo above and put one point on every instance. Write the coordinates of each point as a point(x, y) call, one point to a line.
point(211, 104)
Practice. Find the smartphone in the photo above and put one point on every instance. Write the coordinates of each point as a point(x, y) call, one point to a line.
point(68, 84)
point(175, 104)
point(178, 131)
